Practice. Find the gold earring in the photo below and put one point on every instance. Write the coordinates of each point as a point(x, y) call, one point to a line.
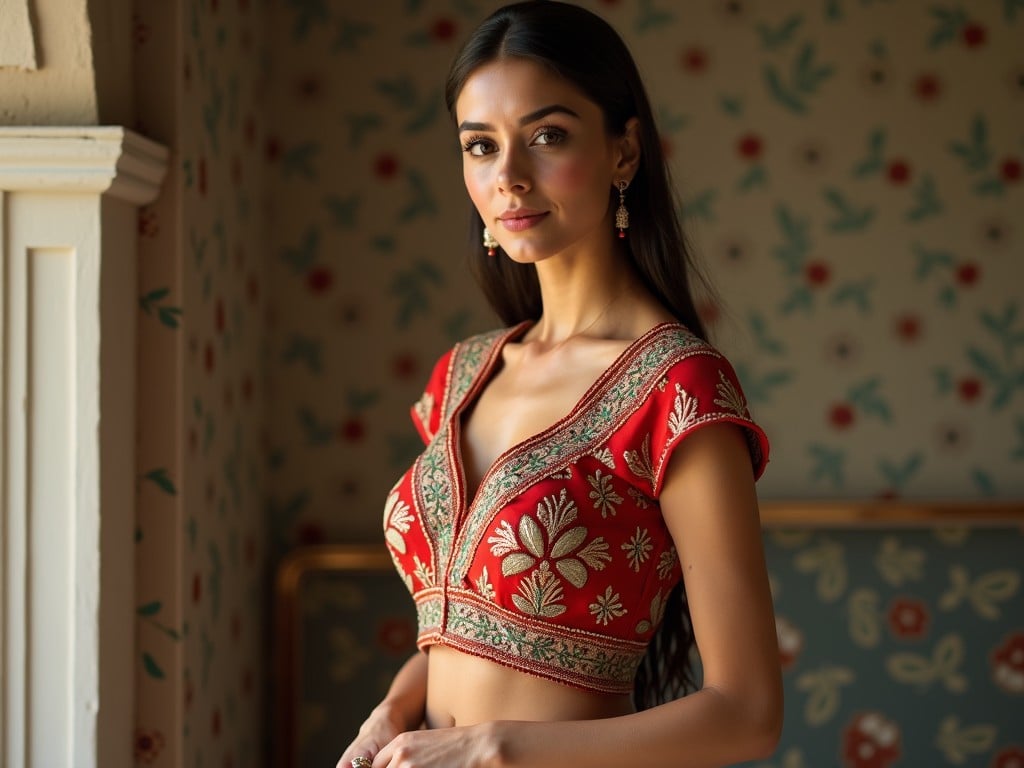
point(489, 242)
point(622, 215)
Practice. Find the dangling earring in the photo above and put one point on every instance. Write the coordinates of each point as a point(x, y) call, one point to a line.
point(622, 215)
point(489, 242)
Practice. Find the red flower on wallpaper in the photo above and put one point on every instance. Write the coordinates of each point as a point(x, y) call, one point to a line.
point(908, 618)
point(898, 172)
point(871, 740)
point(967, 273)
point(352, 430)
point(694, 60)
point(750, 146)
point(817, 273)
point(405, 366)
point(969, 389)
point(841, 415)
point(385, 166)
point(443, 30)
point(973, 34)
point(928, 87)
point(148, 745)
point(791, 641)
point(319, 280)
point(396, 635)
point(1008, 664)
point(1010, 170)
point(1011, 757)
point(908, 327)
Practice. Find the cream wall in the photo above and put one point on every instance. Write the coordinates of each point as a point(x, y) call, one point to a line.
point(62, 90)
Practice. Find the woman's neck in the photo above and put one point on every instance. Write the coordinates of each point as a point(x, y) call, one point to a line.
point(585, 297)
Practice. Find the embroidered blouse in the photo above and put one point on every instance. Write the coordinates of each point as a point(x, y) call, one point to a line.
point(561, 564)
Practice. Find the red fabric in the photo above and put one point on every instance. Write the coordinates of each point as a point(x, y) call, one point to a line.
point(561, 564)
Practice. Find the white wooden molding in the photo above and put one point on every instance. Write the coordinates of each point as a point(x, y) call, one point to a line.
point(68, 303)
point(104, 159)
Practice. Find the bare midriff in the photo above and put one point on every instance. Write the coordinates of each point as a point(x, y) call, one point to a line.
point(464, 690)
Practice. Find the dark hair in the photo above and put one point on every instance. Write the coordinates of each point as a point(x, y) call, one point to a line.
point(582, 48)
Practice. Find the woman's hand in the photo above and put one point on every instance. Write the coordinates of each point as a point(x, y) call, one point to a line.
point(474, 746)
point(378, 730)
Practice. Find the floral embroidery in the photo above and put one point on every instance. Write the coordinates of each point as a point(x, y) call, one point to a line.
point(667, 563)
point(591, 426)
point(597, 663)
point(657, 614)
point(640, 463)
point(433, 488)
point(640, 499)
point(554, 514)
point(684, 412)
point(484, 586)
point(638, 549)
point(423, 408)
point(604, 495)
point(607, 607)
point(729, 397)
point(605, 457)
point(423, 572)
point(396, 512)
point(531, 536)
point(540, 593)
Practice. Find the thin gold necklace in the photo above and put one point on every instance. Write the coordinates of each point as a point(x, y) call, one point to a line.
point(589, 325)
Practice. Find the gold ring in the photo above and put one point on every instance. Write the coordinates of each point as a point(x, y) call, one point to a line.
point(362, 762)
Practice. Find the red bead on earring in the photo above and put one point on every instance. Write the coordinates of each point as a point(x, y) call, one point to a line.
point(490, 243)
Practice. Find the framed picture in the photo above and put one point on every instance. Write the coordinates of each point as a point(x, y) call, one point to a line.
point(889, 512)
point(345, 624)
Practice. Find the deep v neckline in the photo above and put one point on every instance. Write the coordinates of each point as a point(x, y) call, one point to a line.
point(483, 377)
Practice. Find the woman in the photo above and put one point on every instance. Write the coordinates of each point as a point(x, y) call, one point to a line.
point(587, 466)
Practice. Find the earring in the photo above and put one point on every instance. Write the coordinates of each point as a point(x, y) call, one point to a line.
point(622, 215)
point(489, 242)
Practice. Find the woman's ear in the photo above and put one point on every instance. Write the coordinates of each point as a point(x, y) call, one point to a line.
point(627, 158)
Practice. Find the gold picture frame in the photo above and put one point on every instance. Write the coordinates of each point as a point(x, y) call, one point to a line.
point(366, 568)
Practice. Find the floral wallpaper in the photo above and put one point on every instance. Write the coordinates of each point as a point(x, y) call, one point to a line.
point(201, 576)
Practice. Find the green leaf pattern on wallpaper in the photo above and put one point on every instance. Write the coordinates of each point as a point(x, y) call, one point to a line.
point(200, 495)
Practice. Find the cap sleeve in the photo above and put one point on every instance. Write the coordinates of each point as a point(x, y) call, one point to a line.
point(426, 412)
point(698, 390)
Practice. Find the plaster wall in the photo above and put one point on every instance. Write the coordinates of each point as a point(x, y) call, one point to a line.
point(58, 56)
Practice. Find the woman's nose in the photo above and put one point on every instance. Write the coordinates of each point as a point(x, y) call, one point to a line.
point(514, 173)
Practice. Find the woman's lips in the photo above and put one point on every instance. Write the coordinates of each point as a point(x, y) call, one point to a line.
point(517, 223)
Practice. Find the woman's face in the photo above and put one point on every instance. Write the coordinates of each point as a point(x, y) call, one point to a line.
point(537, 161)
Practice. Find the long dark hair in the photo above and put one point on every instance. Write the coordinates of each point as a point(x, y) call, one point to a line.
point(582, 48)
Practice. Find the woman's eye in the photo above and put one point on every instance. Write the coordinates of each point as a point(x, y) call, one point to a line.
point(477, 147)
point(549, 136)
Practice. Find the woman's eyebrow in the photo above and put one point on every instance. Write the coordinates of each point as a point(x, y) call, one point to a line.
point(533, 117)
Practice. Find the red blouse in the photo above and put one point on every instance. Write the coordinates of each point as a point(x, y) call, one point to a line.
point(561, 564)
